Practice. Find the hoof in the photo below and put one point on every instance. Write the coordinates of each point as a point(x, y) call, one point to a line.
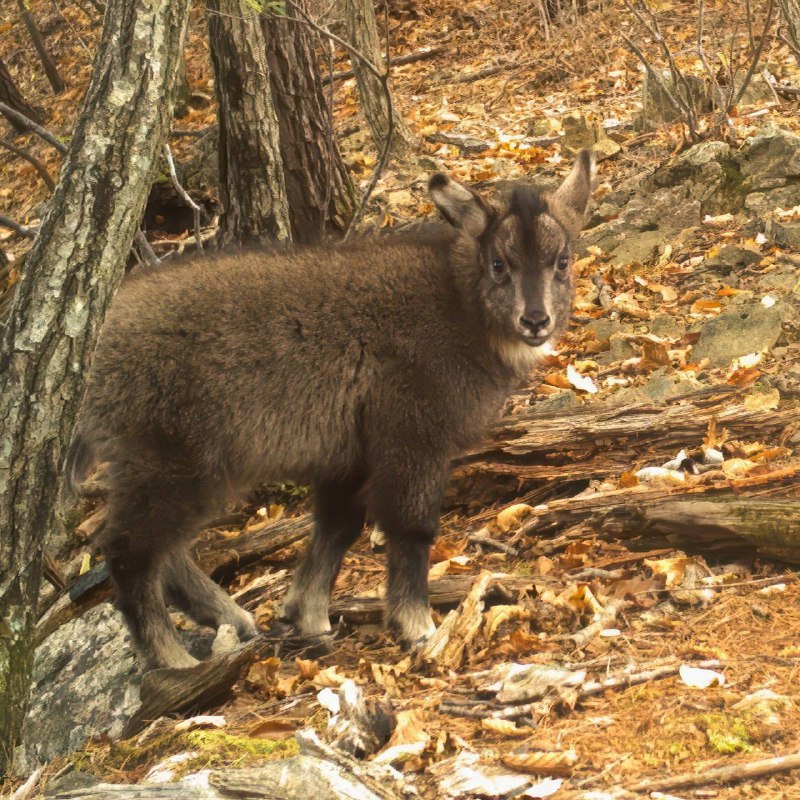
point(291, 640)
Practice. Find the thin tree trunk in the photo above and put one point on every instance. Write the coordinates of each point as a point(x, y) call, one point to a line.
point(362, 33)
point(252, 187)
point(50, 68)
point(10, 95)
point(70, 275)
point(791, 14)
point(320, 194)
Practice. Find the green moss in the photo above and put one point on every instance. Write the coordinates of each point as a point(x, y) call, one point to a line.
point(236, 749)
point(727, 733)
point(72, 517)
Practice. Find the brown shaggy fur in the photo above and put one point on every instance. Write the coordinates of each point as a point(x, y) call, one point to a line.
point(360, 369)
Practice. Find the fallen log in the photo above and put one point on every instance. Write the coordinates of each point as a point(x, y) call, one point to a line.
point(226, 554)
point(605, 514)
point(166, 691)
point(446, 592)
point(771, 525)
point(592, 442)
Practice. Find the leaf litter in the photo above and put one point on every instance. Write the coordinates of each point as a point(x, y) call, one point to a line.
point(563, 656)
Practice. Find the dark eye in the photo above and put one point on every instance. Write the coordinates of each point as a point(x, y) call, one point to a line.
point(563, 262)
point(498, 268)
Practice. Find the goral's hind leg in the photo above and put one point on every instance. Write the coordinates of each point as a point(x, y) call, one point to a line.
point(339, 519)
point(152, 515)
point(191, 590)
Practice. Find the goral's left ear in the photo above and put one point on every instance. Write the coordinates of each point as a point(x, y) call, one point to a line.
point(570, 201)
point(461, 207)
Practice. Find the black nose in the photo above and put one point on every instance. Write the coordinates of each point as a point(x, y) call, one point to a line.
point(535, 321)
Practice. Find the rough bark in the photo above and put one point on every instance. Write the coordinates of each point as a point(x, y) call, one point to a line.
point(70, 276)
point(362, 33)
point(56, 81)
point(11, 96)
point(252, 188)
point(320, 194)
point(791, 15)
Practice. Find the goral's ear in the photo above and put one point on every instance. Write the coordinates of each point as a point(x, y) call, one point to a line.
point(460, 206)
point(571, 200)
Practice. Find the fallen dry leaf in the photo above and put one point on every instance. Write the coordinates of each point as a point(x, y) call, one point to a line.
point(542, 762)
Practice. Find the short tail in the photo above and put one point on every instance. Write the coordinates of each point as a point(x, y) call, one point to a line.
point(76, 465)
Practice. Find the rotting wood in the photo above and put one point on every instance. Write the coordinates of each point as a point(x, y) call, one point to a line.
point(593, 442)
point(377, 781)
point(448, 644)
point(721, 775)
point(446, 592)
point(165, 691)
point(591, 511)
point(772, 525)
point(608, 616)
point(589, 688)
point(226, 554)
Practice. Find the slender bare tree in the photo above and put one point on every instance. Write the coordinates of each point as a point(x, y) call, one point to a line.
point(50, 68)
point(362, 33)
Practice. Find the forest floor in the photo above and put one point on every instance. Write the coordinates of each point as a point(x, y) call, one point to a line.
point(589, 595)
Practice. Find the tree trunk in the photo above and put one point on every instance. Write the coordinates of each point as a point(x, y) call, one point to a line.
point(362, 33)
point(70, 275)
point(318, 187)
point(791, 14)
point(10, 95)
point(251, 183)
point(38, 42)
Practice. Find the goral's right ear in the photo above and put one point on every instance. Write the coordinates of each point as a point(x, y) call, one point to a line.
point(460, 206)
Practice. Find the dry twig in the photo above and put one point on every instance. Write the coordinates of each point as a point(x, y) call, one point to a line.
point(185, 195)
point(721, 775)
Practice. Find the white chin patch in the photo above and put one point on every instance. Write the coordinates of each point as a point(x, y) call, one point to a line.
point(520, 356)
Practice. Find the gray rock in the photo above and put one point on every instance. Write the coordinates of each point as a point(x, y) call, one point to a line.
point(620, 349)
point(773, 153)
point(466, 144)
point(741, 329)
point(662, 386)
point(642, 248)
point(784, 234)
point(85, 683)
point(667, 326)
point(731, 258)
point(656, 107)
point(763, 203)
point(298, 778)
point(70, 782)
point(603, 329)
point(560, 401)
point(538, 126)
point(783, 278)
point(578, 133)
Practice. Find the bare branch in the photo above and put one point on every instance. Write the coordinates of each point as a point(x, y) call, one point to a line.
point(147, 253)
point(31, 159)
point(185, 195)
point(757, 55)
point(395, 61)
point(650, 22)
point(29, 125)
point(22, 230)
